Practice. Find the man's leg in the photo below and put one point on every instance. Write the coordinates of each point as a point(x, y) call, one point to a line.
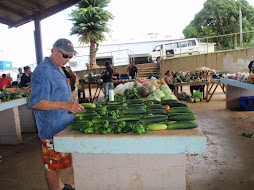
point(54, 180)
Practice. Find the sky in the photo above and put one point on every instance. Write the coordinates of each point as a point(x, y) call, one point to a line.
point(133, 21)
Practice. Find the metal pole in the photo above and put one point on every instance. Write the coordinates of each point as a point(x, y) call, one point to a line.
point(235, 41)
point(241, 27)
point(207, 44)
point(37, 39)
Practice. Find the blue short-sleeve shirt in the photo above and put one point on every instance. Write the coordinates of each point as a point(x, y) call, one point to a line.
point(48, 82)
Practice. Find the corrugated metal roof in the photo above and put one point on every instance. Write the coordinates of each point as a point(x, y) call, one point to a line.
point(17, 12)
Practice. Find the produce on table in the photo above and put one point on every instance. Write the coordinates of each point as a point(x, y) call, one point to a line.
point(152, 88)
point(134, 115)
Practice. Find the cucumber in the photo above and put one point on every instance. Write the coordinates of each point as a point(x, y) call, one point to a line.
point(83, 114)
point(96, 109)
point(153, 119)
point(156, 126)
point(90, 117)
point(137, 106)
point(155, 106)
point(182, 117)
point(116, 107)
point(134, 111)
point(167, 102)
point(115, 102)
point(101, 119)
point(88, 105)
point(173, 105)
point(156, 111)
point(128, 118)
point(182, 125)
point(179, 110)
point(76, 126)
point(100, 103)
point(154, 101)
point(134, 101)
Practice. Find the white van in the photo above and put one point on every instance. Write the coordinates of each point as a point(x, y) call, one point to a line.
point(179, 47)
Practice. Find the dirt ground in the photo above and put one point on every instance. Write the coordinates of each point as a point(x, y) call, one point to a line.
point(228, 162)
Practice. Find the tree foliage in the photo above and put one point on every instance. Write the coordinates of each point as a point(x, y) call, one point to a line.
point(220, 17)
point(90, 23)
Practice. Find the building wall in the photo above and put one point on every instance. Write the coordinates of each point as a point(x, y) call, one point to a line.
point(229, 61)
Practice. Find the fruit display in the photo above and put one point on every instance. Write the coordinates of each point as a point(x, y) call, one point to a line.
point(133, 116)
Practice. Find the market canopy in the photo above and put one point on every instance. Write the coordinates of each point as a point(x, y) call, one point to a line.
point(15, 13)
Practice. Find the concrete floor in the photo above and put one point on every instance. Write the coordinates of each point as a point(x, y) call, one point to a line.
point(228, 162)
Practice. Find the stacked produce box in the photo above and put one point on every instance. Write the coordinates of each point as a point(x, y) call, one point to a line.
point(134, 116)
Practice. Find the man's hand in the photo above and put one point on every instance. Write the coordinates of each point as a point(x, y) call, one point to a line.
point(73, 107)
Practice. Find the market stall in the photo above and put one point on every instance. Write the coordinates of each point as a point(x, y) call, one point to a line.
point(15, 117)
point(144, 133)
point(236, 89)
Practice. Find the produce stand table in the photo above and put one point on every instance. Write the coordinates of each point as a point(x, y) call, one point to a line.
point(155, 160)
point(215, 84)
point(206, 83)
point(234, 90)
point(99, 88)
point(15, 117)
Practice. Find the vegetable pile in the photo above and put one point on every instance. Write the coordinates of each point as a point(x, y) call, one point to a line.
point(7, 96)
point(136, 116)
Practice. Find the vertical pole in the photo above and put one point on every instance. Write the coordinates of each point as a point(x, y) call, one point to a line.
point(235, 41)
point(37, 40)
point(207, 45)
point(241, 28)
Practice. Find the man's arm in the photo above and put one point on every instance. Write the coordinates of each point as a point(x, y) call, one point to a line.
point(55, 105)
point(128, 69)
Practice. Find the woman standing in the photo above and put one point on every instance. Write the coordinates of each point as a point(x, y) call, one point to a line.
point(106, 76)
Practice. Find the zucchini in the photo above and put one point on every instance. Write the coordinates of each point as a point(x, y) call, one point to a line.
point(88, 105)
point(155, 106)
point(90, 117)
point(157, 111)
point(115, 102)
point(154, 101)
point(168, 102)
point(101, 119)
point(83, 114)
point(173, 105)
point(179, 110)
point(97, 109)
point(134, 101)
point(182, 117)
point(137, 106)
point(76, 126)
point(100, 103)
point(134, 111)
point(116, 107)
point(128, 118)
point(156, 126)
point(182, 125)
point(153, 119)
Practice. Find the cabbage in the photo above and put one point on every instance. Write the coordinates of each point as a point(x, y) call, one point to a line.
point(159, 93)
point(166, 90)
point(169, 97)
point(153, 97)
point(152, 88)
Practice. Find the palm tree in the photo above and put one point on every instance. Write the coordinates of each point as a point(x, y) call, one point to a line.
point(90, 22)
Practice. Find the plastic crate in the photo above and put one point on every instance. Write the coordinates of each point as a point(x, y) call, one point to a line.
point(247, 103)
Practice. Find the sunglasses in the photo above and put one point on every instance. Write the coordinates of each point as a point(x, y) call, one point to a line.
point(64, 55)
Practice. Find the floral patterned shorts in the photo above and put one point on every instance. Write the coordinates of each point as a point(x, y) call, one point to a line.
point(54, 160)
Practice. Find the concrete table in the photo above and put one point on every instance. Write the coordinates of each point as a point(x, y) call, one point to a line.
point(15, 117)
point(155, 160)
point(234, 90)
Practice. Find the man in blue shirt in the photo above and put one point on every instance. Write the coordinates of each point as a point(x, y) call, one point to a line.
point(51, 100)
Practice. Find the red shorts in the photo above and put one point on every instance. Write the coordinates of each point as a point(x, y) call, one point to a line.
point(54, 160)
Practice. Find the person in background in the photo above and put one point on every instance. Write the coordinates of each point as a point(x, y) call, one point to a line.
point(51, 101)
point(251, 65)
point(4, 81)
point(26, 77)
point(106, 76)
point(74, 82)
point(9, 76)
point(19, 75)
point(115, 74)
point(133, 71)
point(168, 78)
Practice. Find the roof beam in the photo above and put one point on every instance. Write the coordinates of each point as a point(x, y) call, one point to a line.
point(45, 13)
point(31, 4)
point(11, 11)
point(4, 21)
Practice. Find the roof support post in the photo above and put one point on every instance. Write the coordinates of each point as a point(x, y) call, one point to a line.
point(37, 40)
